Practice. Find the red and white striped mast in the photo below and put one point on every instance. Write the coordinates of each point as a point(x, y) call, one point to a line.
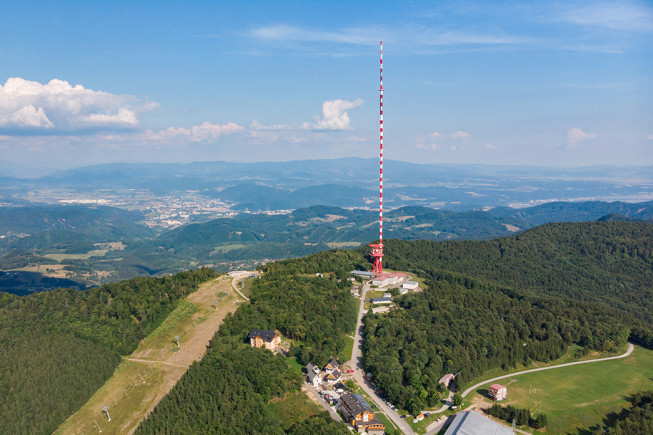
point(377, 249)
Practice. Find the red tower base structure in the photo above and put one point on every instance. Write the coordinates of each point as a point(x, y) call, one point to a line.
point(377, 254)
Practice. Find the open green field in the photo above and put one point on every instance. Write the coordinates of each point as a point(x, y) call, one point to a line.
point(576, 398)
point(345, 354)
point(89, 254)
point(293, 408)
point(227, 247)
point(334, 245)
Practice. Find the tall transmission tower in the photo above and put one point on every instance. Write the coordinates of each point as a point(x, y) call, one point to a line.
point(377, 249)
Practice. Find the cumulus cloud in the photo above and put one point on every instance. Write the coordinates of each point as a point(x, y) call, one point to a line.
point(58, 106)
point(334, 115)
point(205, 132)
point(649, 137)
point(575, 136)
point(459, 135)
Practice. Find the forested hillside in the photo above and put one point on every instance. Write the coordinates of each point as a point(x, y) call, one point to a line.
point(511, 300)
point(229, 391)
point(57, 348)
point(606, 262)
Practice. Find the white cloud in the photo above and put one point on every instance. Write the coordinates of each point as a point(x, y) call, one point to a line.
point(459, 135)
point(29, 116)
point(649, 137)
point(413, 35)
point(435, 134)
point(334, 115)
point(255, 125)
point(58, 106)
point(618, 15)
point(205, 132)
point(576, 136)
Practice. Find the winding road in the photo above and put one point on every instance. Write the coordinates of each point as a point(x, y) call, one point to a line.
point(631, 347)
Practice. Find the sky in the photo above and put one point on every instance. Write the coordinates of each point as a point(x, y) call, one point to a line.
point(512, 83)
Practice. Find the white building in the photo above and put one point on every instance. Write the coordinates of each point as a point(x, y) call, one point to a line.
point(410, 285)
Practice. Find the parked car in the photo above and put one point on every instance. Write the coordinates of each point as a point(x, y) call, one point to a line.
point(350, 371)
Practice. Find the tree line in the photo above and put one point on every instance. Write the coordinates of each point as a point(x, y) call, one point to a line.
point(229, 391)
point(57, 348)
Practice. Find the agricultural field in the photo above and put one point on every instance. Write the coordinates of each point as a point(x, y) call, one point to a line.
point(142, 379)
point(577, 398)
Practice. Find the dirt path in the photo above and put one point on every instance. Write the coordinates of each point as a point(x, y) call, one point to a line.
point(145, 377)
point(155, 362)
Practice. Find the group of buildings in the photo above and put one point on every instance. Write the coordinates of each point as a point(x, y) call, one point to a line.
point(331, 375)
point(355, 410)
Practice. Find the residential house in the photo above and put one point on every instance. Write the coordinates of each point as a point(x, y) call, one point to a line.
point(403, 291)
point(381, 300)
point(331, 366)
point(313, 378)
point(267, 339)
point(310, 367)
point(333, 377)
point(359, 414)
point(446, 379)
point(498, 392)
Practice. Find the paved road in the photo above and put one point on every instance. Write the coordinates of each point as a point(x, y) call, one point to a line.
point(357, 365)
point(320, 400)
point(631, 347)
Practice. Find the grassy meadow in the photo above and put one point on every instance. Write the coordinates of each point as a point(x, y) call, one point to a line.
point(576, 398)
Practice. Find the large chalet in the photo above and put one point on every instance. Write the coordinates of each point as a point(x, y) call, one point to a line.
point(359, 414)
point(267, 339)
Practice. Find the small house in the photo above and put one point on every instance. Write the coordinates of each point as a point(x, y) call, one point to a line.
point(331, 366)
point(333, 377)
point(310, 367)
point(497, 392)
point(267, 339)
point(313, 378)
point(381, 300)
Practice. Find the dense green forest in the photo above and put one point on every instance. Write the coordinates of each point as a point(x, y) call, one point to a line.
point(606, 262)
point(531, 296)
point(228, 392)
point(464, 326)
point(57, 348)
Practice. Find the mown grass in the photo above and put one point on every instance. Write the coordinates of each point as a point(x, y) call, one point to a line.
point(578, 397)
point(345, 354)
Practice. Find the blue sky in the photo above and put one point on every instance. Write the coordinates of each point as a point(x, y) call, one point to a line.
point(516, 83)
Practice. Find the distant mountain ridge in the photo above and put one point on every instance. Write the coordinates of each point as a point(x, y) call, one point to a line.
point(348, 182)
point(577, 211)
point(68, 236)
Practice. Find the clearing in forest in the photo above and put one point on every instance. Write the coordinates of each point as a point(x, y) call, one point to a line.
point(150, 372)
point(575, 398)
